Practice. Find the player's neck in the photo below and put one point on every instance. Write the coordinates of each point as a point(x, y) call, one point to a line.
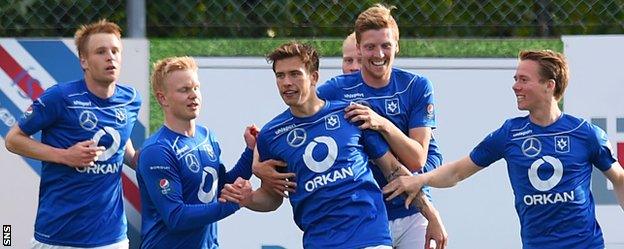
point(308, 108)
point(103, 90)
point(545, 116)
point(374, 81)
point(184, 127)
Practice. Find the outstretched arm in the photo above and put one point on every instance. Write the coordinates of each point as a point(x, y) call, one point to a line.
point(616, 175)
point(264, 199)
point(446, 176)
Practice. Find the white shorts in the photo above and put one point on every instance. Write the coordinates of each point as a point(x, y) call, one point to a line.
point(378, 247)
point(409, 231)
point(35, 244)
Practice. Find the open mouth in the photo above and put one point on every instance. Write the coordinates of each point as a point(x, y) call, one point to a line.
point(289, 93)
point(111, 68)
point(379, 63)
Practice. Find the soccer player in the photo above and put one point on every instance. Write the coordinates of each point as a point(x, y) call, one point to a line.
point(350, 58)
point(399, 105)
point(85, 126)
point(549, 157)
point(180, 171)
point(337, 202)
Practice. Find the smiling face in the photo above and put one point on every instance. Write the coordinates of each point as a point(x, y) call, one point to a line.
point(295, 84)
point(377, 49)
point(102, 60)
point(181, 96)
point(532, 92)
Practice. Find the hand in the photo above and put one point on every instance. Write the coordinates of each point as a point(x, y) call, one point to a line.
point(369, 119)
point(250, 136)
point(82, 154)
point(436, 233)
point(410, 185)
point(238, 192)
point(267, 172)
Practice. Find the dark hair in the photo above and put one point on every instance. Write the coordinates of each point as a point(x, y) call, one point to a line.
point(308, 55)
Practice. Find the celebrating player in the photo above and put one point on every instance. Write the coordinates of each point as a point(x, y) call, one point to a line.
point(85, 126)
point(180, 172)
point(549, 158)
point(337, 203)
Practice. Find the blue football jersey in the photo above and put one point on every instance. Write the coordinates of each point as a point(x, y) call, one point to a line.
point(337, 202)
point(180, 179)
point(407, 101)
point(550, 171)
point(82, 207)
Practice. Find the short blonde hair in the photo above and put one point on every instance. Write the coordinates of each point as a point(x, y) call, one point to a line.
point(164, 67)
point(553, 65)
point(376, 17)
point(350, 38)
point(81, 37)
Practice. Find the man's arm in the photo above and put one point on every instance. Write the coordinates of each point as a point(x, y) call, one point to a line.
point(446, 176)
point(130, 155)
point(264, 199)
point(411, 150)
point(616, 175)
point(392, 168)
point(82, 154)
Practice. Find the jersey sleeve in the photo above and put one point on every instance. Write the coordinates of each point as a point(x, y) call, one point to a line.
point(601, 151)
point(158, 169)
point(328, 90)
point(422, 113)
point(491, 149)
point(242, 168)
point(43, 112)
point(374, 144)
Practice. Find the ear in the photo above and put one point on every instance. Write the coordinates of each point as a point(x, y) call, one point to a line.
point(397, 50)
point(161, 98)
point(83, 63)
point(314, 77)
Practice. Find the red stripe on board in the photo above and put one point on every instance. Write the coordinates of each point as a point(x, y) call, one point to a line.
point(620, 153)
point(131, 192)
point(27, 83)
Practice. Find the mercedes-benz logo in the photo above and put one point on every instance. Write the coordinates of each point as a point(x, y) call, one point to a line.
point(296, 137)
point(531, 147)
point(192, 163)
point(88, 120)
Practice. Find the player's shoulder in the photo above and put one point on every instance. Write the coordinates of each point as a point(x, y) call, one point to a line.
point(344, 80)
point(332, 106)
point(68, 88)
point(277, 123)
point(127, 93)
point(406, 77)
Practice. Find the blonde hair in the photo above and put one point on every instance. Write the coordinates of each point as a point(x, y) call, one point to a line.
point(350, 38)
point(165, 67)
point(553, 65)
point(376, 17)
point(81, 37)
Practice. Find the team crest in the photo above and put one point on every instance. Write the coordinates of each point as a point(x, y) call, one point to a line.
point(87, 120)
point(332, 122)
point(562, 144)
point(120, 116)
point(210, 151)
point(165, 187)
point(392, 106)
